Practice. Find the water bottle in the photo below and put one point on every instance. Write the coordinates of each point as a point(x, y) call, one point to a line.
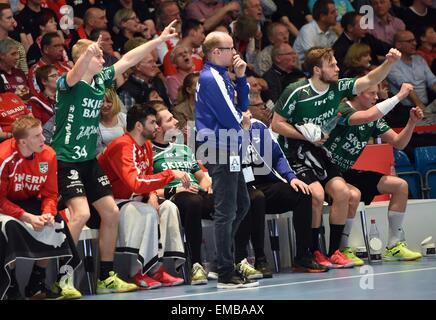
point(375, 244)
point(330, 125)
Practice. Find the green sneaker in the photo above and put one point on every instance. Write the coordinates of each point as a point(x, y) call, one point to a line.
point(400, 253)
point(64, 289)
point(248, 271)
point(198, 275)
point(113, 284)
point(348, 252)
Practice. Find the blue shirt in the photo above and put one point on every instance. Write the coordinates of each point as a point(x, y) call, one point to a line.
point(417, 73)
point(219, 104)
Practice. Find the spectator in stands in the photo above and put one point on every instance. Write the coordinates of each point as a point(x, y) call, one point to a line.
point(282, 73)
point(412, 69)
point(362, 120)
point(140, 7)
point(112, 120)
point(28, 17)
point(15, 78)
point(181, 57)
point(211, 12)
point(184, 112)
point(81, 181)
point(46, 24)
point(129, 27)
point(353, 24)
point(419, 13)
point(11, 108)
point(109, 54)
point(194, 203)
point(342, 7)
point(358, 56)
point(426, 37)
point(293, 14)
point(192, 39)
point(33, 202)
point(319, 32)
point(166, 12)
point(277, 34)
point(94, 18)
point(7, 26)
point(128, 162)
point(42, 105)
point(143, 79)
point(306, 105)
point(245, 32)
point(52, 49)
point(385, 24)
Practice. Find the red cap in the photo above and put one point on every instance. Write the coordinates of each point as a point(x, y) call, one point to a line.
point(339, 114)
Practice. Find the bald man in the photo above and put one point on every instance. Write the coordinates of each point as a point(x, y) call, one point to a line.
point(218, 114)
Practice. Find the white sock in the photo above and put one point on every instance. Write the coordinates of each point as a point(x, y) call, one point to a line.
point(346, 233)
point(395, 219)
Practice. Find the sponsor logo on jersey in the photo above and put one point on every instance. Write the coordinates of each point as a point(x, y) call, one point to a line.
point(331, 95)
point(74, 175)
point(43, 167)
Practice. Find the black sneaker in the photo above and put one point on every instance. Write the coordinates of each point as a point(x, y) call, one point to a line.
point(36, 290)
point(308, 264)
point(235, 281)
point(246, 283)
point(262, 265)
point(13, 293)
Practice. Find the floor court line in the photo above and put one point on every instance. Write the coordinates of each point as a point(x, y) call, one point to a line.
point(293, 283)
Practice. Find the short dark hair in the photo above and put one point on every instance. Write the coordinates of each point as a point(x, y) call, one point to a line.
point(42, 74)
point(95, 33)
point(188, 25)
point(321, 7)
point(349, 19)
point(139, 112)
point(47, 38)
point(4, 6)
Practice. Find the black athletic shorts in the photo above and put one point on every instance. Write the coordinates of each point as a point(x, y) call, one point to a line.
point(82, 179)
point(312, 163)
point(365, 181)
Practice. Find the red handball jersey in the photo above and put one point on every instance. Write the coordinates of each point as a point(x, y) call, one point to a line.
point(24, 178)
point(129, 168)
point(11, 107)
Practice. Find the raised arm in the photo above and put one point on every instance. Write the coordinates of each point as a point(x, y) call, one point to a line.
point(133, 57)
point(380, 109)
point(378, 74)
point(401, 140)
point(82, 64)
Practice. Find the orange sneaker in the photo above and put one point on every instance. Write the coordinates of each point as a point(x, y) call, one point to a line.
point(339, 260)
point(143, 281)
point(166, 279)
point(321, 259)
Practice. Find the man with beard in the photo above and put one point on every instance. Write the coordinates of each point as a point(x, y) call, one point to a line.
point(128, 163)
point(300, 114)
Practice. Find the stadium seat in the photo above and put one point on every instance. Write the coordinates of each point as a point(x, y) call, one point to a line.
point(405, 170)
point(425, 161)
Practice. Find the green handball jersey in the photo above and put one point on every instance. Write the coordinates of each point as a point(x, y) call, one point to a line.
point(300, 102)
point(176, 157)
point(77, 116)
point(346, 142)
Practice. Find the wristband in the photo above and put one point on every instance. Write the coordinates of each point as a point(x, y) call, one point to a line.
point(169, 192)
point(385, 106)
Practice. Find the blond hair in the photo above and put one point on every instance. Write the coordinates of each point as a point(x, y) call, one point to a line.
point(112, 96)
point(212, 41)
point(355, 53)
point(79, 48)
point(22, 124)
